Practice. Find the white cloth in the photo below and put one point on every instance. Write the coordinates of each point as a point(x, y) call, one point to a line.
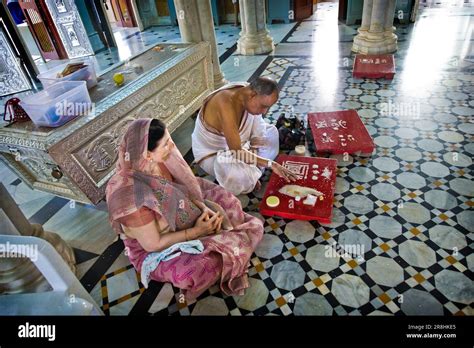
point(153, 259)
point(236, 176)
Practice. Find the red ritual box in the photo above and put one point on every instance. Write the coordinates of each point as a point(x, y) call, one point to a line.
point(340, 132)
point(374, 66)
point(315, 173)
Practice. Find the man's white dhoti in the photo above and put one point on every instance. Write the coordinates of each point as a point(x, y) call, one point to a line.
point(212, 153)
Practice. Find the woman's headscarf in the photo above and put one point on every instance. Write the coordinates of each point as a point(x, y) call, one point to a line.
point(130, 188)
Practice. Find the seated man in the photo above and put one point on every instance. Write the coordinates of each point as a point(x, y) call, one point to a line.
point(231, 141)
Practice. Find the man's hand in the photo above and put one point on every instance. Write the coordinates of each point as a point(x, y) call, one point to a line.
point(281, 171)
point(257, 142)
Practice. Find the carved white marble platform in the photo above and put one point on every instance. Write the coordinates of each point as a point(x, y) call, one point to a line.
point(84, 150)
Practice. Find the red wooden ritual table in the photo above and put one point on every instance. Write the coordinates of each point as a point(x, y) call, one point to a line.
point(340, 132)
point(314, 172)
point(374, 66)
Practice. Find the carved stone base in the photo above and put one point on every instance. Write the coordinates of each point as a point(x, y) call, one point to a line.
point(20, 275)
point(250, 45)
point(63, 249)
point(370, 43)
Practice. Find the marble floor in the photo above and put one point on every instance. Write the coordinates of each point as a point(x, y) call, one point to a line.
point(131, 42)
point(409, 206)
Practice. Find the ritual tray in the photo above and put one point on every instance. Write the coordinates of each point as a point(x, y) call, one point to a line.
point(340, 132)
point(374, 66)
point(290, 208)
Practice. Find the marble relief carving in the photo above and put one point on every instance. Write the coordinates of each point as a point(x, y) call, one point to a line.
point(70, 28)
point(36, 161)
point(21, 142)
point(167, 102)
point(35, 169)
point(41, 169)
point(102, 153)
point(12, 77)
point(29, 176)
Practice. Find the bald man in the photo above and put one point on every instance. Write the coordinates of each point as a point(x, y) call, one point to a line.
point(232, 142)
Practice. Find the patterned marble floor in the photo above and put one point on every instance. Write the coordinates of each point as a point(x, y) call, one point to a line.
point(131, 42)
point(408, 207)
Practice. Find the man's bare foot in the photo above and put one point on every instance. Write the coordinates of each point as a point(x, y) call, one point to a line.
point(258, 186)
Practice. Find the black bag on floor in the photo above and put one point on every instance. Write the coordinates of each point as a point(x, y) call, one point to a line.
point(291, 131)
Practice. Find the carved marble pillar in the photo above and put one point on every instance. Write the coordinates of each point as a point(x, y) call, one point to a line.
point(414, 11)
point(254, 36)
point(195, 25)
point(366, 15)
point(376, 33)
point(20, 274)
point(390, 37)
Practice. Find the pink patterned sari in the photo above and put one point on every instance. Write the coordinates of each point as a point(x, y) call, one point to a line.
point(226, 255)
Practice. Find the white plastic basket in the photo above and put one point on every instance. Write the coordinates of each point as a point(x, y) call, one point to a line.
point(87, 74)
point(58, 103)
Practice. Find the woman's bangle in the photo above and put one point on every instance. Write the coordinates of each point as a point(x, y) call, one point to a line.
point(186, 234)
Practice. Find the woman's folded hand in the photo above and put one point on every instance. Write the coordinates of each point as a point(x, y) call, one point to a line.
point(219, 224)
point(207, 225)
point(204, 208)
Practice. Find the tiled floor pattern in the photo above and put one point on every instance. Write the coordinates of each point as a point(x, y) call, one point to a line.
point(408, 208)
point(131, 42)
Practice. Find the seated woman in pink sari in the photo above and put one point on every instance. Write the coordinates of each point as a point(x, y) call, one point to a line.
point(155, 203)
